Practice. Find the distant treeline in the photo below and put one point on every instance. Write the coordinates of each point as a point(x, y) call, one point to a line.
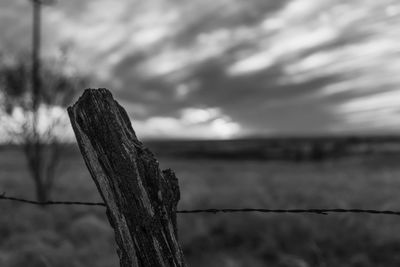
point(287, 148)
point(283, 148)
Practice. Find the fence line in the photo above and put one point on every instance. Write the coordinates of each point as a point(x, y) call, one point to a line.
point(215, 211)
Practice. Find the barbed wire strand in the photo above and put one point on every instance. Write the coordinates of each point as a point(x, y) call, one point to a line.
point(214, 211)
point(45, 203)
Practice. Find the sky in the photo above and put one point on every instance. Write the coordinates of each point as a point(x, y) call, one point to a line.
point(220, 69)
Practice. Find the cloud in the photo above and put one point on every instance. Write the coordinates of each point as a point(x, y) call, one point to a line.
point(193, 123)
point(262, 66)
point(373, 112)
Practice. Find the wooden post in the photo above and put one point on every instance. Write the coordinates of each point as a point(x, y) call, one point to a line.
point(141, 200)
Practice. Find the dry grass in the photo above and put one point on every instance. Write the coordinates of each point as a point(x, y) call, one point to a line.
point(81, 236)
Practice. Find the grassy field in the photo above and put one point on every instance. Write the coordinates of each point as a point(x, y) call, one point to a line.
point(79, 236)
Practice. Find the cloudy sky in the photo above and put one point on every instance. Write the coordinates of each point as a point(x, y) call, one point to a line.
point(231, 68)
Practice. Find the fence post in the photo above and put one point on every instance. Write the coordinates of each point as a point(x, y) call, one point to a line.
point(141, 200)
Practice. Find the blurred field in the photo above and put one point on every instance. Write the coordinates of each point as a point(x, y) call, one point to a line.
point(80, 236)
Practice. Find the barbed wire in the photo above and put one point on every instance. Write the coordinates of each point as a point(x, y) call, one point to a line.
point(45, 203)
point(215, 211)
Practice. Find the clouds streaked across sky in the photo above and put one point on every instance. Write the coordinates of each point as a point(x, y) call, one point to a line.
point(227, 68)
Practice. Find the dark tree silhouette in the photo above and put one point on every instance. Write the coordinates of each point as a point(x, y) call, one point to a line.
point(37, 127)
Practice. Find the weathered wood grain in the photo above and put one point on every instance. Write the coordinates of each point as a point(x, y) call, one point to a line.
point(141, 200)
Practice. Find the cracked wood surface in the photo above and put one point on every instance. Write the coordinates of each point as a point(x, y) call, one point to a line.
point(141, 200)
